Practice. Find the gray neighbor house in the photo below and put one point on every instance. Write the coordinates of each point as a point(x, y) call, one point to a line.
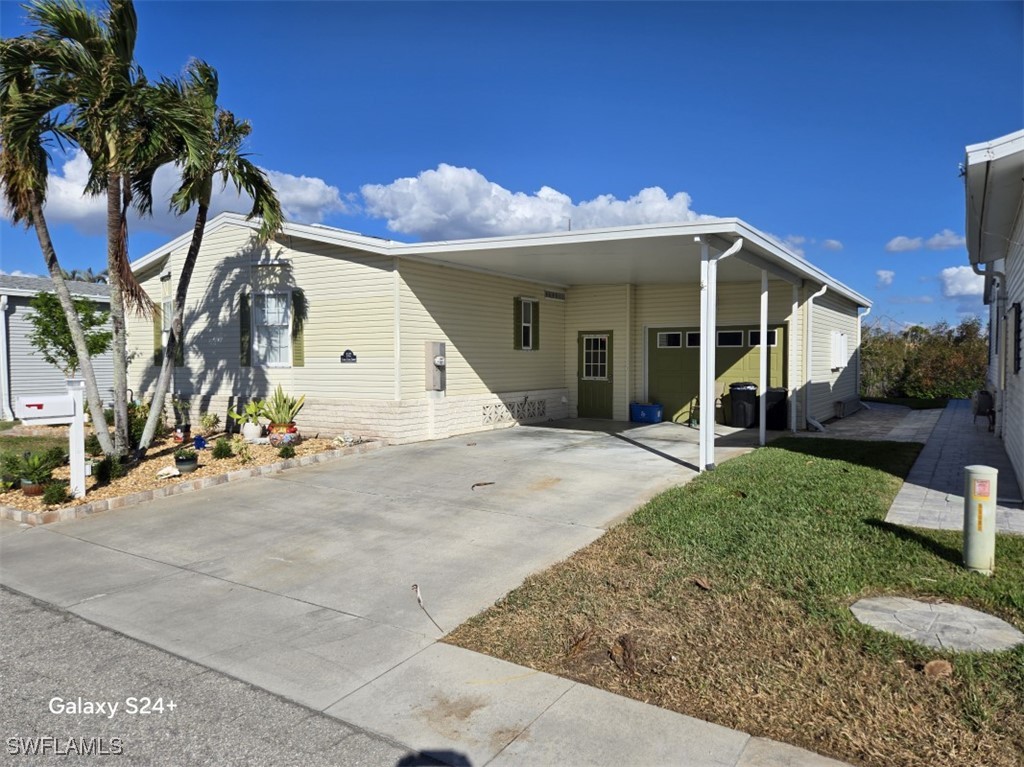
point(23, 371)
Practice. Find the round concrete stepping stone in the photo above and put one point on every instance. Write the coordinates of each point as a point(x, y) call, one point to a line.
point(942, 626)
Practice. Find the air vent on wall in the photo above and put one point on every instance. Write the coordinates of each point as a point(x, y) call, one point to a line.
point(554, 295)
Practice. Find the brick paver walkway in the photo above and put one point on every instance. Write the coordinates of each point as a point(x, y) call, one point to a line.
point(932, 495)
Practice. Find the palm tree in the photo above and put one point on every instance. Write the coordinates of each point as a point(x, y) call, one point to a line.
point(85, 275)
point(218, 155)
point(88, 62)
point(24, 124)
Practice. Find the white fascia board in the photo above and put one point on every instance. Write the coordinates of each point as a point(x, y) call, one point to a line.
point(996, 148)
point(217, 222)
point(794, 263)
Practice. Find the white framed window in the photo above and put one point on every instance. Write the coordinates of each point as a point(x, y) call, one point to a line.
point(671, 339)
point(595, 358)
point(693, 339)
point(272, 325)
point(840, 350)
point(754, 338)
point(527, 324)
point(730, 338)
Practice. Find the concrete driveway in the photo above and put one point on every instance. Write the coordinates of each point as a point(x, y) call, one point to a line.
point(300, 583)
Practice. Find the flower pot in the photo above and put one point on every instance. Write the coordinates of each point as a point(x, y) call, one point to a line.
point(186, 465)
point(31, 488)
point(183, 433)
point(251, 431)
point(284, 434)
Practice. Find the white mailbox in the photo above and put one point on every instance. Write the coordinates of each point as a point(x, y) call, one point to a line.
point(69, 409)
point(45, 410)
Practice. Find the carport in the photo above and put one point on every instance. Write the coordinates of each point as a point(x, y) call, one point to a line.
point(622, 285)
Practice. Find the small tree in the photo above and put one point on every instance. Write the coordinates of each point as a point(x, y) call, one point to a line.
point(51, 335)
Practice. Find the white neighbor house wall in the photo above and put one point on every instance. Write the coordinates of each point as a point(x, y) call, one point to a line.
point(1013, 387)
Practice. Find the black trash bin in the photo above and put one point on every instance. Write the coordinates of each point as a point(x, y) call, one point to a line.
point(744, 404)
point(775, 409)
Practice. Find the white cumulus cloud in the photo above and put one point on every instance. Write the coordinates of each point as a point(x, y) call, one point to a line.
point(885, 277)
point(958, 281)
point(903, 244)
point(792, 242)
point(832, 245)
point(303, 199)
point(17, 273)
point(452, 202)
point(945, 240)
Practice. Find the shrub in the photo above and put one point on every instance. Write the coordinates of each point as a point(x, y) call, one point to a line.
point(109, 469)
point(286, 451)
point(222, 448)
point(209, 422)
point(242, 450)
point(56, 456)
point(55, 493)
point(92, 444)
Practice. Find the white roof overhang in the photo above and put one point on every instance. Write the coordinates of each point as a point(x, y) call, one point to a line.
point(994, 180)
point(649, 254)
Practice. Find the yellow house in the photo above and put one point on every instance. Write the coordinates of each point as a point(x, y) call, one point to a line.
point(420, 341)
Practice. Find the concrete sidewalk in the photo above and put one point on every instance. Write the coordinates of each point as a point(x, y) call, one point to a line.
point(932, 495)
point(300, 584)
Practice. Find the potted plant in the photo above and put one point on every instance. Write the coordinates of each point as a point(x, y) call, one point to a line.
point(281, 410)
point(186, 460)
point(35, 470)
point(249, 419)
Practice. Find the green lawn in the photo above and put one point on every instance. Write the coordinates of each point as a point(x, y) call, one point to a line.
point(728, 599)
point(11, 444)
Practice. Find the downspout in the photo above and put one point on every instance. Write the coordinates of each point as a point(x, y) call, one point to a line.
point(6, 403)
point(999, 300)
point(808, 360)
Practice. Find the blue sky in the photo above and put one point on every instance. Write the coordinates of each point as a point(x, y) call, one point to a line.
point(836, 127)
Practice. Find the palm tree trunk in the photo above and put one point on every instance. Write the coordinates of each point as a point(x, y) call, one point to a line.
point(177, 331)
point(92, 393)
point(119, 348)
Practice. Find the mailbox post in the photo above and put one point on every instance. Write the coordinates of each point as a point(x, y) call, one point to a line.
point(69, 409)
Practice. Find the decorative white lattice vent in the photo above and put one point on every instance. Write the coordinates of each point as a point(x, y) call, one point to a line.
point(516, 410)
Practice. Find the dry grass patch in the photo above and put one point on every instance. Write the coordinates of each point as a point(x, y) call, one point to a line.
point(728, 600)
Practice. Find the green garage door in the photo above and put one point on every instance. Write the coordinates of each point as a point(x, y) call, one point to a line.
point(673, 364)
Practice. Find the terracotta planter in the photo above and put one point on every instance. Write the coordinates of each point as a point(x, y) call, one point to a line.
point(284, 434)
point(31, 488)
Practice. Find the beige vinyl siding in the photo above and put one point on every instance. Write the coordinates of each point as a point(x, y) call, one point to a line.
point(600, 308)
point(350, 305)
point(679, 306)
point(473, 314)
point(832, 313)
point(1013, 395)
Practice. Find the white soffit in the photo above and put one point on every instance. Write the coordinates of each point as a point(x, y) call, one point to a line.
point(994, 188)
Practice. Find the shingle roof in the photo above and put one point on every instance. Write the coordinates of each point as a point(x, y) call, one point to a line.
point(26, 286)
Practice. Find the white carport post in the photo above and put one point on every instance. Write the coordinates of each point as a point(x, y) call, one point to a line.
point(708, 326)
point(792, 384)
point(762, 386)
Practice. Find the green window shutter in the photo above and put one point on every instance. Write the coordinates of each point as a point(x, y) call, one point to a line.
point(298, 323)
point(158, 338)
point(536, 325)
point(517, 323)
point(245, 330)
